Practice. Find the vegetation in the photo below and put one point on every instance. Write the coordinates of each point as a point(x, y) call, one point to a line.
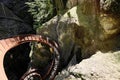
point(42, 11)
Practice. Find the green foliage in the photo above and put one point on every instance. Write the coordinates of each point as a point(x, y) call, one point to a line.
point(42, 10)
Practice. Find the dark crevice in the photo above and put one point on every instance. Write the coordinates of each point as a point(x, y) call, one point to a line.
point(16, 61)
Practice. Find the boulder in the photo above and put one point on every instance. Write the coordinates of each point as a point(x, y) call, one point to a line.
point(101, 66)
point(91, 33)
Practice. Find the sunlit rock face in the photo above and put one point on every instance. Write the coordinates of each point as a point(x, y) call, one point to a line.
point(101, 29)
point(110, 17)
point(100, 66)
point(99, 22)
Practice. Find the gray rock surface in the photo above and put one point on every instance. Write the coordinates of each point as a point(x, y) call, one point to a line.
point(101, 66)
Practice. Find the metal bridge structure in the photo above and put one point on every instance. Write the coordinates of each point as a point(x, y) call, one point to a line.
point(9, 43)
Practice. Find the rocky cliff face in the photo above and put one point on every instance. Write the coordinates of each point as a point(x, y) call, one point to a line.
point(94, 31)
point(87, 34)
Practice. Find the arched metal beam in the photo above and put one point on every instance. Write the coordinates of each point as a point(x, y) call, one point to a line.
point(9, 43)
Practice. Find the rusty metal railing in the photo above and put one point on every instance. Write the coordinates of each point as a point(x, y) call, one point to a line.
point(9, 43)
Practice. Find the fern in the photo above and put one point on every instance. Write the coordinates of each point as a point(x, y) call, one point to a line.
point(42, 10)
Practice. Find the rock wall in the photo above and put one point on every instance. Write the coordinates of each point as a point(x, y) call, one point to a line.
point(96, 33)
point(101, 66)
